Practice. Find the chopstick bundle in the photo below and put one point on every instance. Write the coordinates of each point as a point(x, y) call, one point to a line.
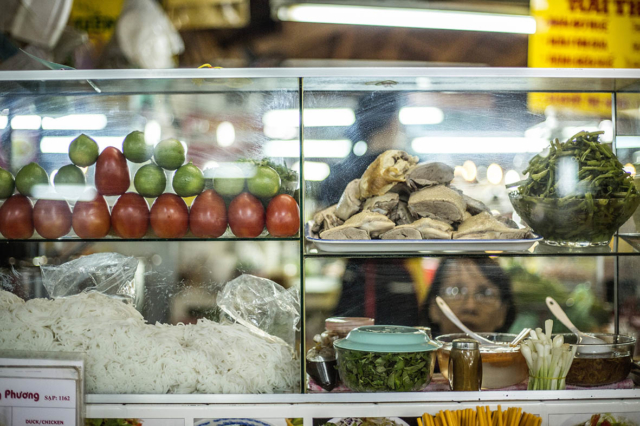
point(482, 416)
point(548, 360)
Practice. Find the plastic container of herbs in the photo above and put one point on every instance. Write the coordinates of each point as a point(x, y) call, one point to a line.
point(382, 358)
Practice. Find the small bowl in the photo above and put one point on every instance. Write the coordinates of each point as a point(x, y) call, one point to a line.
point(501, 367)
point(575, 222)
point(381, 358)
point(603, 368)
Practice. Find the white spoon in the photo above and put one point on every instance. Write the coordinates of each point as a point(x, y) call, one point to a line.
point(454, 319)
point(583, 339)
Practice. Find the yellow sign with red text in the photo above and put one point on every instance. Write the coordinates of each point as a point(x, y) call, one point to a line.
point(583, 34)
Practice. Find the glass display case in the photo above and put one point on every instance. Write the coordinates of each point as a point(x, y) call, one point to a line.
point(354, 192)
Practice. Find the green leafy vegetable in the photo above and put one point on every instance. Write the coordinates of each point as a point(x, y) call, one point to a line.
point(384, 372)
point(576, 191)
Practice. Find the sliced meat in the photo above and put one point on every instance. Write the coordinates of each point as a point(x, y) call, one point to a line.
point(402, 232)
point(507, 221)
point(374, 223)
point(474, 206)
point(388, 169)
point(484, 226)
point(325, 219)
point(345, 232)
point(401, 214)
point(383, 204)
point(438, 202)
point(349, 203)
point(429, 174)
point(432, 229)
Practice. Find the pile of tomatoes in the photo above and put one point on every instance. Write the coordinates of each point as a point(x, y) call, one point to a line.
point(131, 217)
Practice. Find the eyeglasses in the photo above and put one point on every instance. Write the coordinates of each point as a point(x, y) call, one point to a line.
point(457, 294)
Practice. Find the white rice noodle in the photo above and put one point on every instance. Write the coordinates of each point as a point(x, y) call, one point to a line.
point(126, 355)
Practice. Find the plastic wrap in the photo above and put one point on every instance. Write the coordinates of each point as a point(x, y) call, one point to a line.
point(259, 302)
point(108, 273)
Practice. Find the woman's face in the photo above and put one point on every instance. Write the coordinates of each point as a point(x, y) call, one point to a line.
point(472, 297)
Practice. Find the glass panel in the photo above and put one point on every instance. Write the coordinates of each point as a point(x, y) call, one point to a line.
point(215, 129)
point(487, 294)
point(487, 138)
point(629, 297)
point(174, 283)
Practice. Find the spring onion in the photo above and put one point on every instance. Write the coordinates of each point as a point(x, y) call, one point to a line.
point(548, 359)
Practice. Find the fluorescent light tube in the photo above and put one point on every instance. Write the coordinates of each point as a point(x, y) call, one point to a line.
point(313, 117)
point(477, 145)
point(313, 148)
point(26, 122)
point(313, 170)
point(3, 121)
point(408, 18)
point(75, 122)
point(60, 144)
point(421, 115)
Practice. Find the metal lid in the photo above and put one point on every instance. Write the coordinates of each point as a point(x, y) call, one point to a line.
point(465, 344)
point(387, 338)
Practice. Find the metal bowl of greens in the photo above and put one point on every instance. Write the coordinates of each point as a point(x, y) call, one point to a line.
point(381, 358)
point(577, 193)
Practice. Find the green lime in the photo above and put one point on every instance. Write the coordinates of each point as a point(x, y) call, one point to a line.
point(169, 154)
point(228, 180)
point(188, 181)
point(7, 184)
point(83, 151)
point(69, 175)
point(135, 149)
point(29, 177)
point(150, 181)
point(265, 183)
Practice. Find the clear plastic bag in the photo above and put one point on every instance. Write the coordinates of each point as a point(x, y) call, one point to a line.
point(108, 273)
point(259, 302)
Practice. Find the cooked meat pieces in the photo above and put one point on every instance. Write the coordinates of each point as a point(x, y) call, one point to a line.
point(402, 232)
point(383, 204)
point(401, 214)
point(389, 168)
point(486, 227)
point(429, 174)
point(374, 223)
point(325, 219)
point(345, 232)
point(349, 203)
point(507, 221)
point(432, 229)
point(474, 206)
point(438, 202)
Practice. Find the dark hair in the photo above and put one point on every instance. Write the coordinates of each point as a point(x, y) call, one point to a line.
point(491, 270)
point(374, 112)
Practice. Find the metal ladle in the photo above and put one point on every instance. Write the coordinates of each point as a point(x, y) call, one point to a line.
point(454, 319)
point(583, 339)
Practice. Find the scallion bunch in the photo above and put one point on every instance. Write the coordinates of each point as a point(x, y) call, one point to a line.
point(548, 360)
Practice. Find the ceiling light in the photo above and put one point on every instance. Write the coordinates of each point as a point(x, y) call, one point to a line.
point(360, 148)
point(152, 132)
point(60, 144)
point(225, 134)
point(338, 148)
point(477, 145)
point(3, 121)
point(26, 122)
point(494, 174)
point(421, 115)
point(75, 122)
point(472, 172)
point(407, 18)
point(313, 117)
point(511, 177)
point(313, 170)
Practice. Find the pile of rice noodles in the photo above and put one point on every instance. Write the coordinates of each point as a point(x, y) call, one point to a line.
point(124, 354)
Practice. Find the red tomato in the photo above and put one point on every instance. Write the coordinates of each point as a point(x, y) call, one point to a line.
point(283, 216)
point(130, 216)
point(112, 172)
point(170, 216)
point(90, 219)
point(208, 216)
point(52, 218)
point(246, 216)
point(16, 218)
